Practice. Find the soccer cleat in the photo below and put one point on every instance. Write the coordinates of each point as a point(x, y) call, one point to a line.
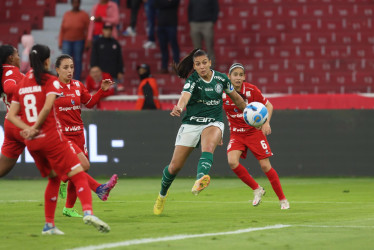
point(160, 203)
point(71, 212)
point(48, 229)
point(104, 189)
point(200, 184)
point(100, 225)
point(284, 204)
point(258, 193)
point(62, 191)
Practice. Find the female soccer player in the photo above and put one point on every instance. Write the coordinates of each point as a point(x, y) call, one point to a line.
point(202, 123)
point(243, 137)
point(68, 110)
point(10, 75)
point(33, 112)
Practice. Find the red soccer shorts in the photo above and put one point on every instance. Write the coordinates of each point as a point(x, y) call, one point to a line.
point(52, 151)
point(13, 144)
point(256, 142)
point(79, 142)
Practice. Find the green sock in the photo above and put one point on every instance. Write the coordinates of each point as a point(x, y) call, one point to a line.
point(204, 165)
point(166, 181)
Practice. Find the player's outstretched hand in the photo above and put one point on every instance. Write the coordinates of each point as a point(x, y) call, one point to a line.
point(177, 111)
point(106, 83)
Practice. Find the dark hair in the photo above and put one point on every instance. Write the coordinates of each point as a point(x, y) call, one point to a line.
point(5, 51)
point(39, 53)
point(185, 67)
point(60, 58)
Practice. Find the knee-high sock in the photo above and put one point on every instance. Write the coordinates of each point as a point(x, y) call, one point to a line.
point(71, 196)
point(83, 191)
point(204, 165)
point(166, 181)
point(244, 175)
point(92, 182)
point(50, 199)
point(275, 183)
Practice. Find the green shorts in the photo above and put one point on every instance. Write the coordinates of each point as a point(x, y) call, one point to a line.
point(189, 135)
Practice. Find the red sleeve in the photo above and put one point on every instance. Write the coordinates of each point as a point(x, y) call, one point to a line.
point(52, 86)
point(15, 95)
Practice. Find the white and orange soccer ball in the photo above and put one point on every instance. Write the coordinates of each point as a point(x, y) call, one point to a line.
point(255, 114)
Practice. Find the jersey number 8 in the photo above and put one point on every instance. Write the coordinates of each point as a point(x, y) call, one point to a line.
point(30, 109)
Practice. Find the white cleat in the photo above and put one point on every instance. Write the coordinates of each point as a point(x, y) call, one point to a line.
point(47, 230)
point(258, 193)
point(284, 204)
point(100, 225)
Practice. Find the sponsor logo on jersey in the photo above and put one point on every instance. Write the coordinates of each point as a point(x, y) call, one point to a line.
point(219, 78)
point(208, 89)
point(202, 119)
point(238, 115)
point(69, 108)
point(218, 88)
point(239, 129)
point(9, 72)
point(248, 93)
point(211, 102)
point(73, 128)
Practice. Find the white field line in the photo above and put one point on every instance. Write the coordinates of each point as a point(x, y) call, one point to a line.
point(176, 237)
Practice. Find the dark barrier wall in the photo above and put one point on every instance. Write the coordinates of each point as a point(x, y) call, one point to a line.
point(304, 143)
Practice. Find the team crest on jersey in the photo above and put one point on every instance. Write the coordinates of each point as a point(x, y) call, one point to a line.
point(78, 92)
point(72, 102)
point(9, 72)
point(218, 88)
point(248, 93)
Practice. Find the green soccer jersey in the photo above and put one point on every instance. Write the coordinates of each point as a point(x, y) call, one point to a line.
point(205, 104)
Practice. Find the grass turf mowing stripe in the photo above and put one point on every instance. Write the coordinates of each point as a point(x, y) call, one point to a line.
point(177, 237)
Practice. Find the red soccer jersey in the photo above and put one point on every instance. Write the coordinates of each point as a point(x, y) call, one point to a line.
point(31, 96)
point(10, 78)
point(235, 115)
point(68, 105)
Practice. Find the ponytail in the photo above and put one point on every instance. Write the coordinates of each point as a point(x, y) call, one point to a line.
point(5, 51)
point(38, 54)
point(185, 67)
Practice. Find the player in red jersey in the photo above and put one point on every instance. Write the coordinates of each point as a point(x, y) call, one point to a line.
point(244, 137)
point(13, 144)
point(35, 96)
point(68, 110)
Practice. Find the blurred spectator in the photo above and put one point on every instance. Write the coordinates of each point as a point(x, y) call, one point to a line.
point(147, 90)
point(103, 12)
point(27, 41)
point(167, 24)
point(150, 11)
point(93, 81)
point(134, 5)
point(73, 33)
point(202, 15)
point(107, 54)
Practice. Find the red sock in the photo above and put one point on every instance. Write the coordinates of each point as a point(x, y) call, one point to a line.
point(243, 174)
point(275, 183)
point(92, 183)
point(50, 199)
point(83, 190)
point(71, 196)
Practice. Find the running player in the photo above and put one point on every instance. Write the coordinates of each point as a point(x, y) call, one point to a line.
point(68, 110)
point(10, 75)
point(35, 96)
point(202, 123)
point(244, 137)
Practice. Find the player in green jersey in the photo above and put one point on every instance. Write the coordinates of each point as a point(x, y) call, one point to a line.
point(202, 123)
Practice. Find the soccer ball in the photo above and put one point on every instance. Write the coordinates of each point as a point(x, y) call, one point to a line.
point(255, 114)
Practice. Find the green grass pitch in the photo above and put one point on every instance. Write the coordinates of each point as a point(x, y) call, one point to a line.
point(326, 213)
